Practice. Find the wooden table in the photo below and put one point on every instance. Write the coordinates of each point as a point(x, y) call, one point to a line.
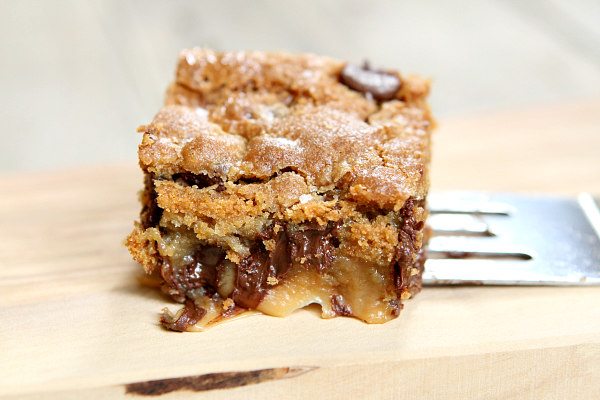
point(76, 324)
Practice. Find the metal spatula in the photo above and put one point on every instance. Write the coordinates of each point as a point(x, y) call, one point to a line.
point(509, 239)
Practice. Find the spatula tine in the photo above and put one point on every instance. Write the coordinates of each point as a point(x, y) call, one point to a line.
point(496, 272)
point(470, 247)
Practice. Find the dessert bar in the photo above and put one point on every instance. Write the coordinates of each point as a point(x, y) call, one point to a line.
point(274, 181)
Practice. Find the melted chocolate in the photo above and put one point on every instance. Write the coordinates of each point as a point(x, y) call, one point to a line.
point(200, 271)
point(312, 247)
point(252, 273)
point(281, 260)
point(190, 316)
point(407, 255)
point(200, 180)
point(151, 213)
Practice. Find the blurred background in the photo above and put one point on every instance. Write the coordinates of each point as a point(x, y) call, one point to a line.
point(78, 77)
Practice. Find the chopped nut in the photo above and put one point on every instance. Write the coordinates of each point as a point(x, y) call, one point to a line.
point(271, 280)
point(228, 303)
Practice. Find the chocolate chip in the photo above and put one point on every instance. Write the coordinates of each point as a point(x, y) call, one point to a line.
point(381, 85)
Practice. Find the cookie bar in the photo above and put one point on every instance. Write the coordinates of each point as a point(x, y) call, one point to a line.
point(274, 181)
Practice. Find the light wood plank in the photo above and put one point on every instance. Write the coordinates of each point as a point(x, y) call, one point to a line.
point(76, 324)
point(552, 148)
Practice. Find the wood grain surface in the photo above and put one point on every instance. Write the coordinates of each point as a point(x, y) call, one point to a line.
point(77, 324)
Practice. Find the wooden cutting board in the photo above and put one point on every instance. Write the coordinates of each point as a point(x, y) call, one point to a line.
point(76, 324)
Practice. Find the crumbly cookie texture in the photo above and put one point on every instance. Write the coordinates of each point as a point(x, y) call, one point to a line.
point(273, 181)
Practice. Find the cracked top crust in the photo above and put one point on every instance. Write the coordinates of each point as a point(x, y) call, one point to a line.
point(252, 116)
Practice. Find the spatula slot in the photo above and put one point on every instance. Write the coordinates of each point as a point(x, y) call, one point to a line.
point(478, 255)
